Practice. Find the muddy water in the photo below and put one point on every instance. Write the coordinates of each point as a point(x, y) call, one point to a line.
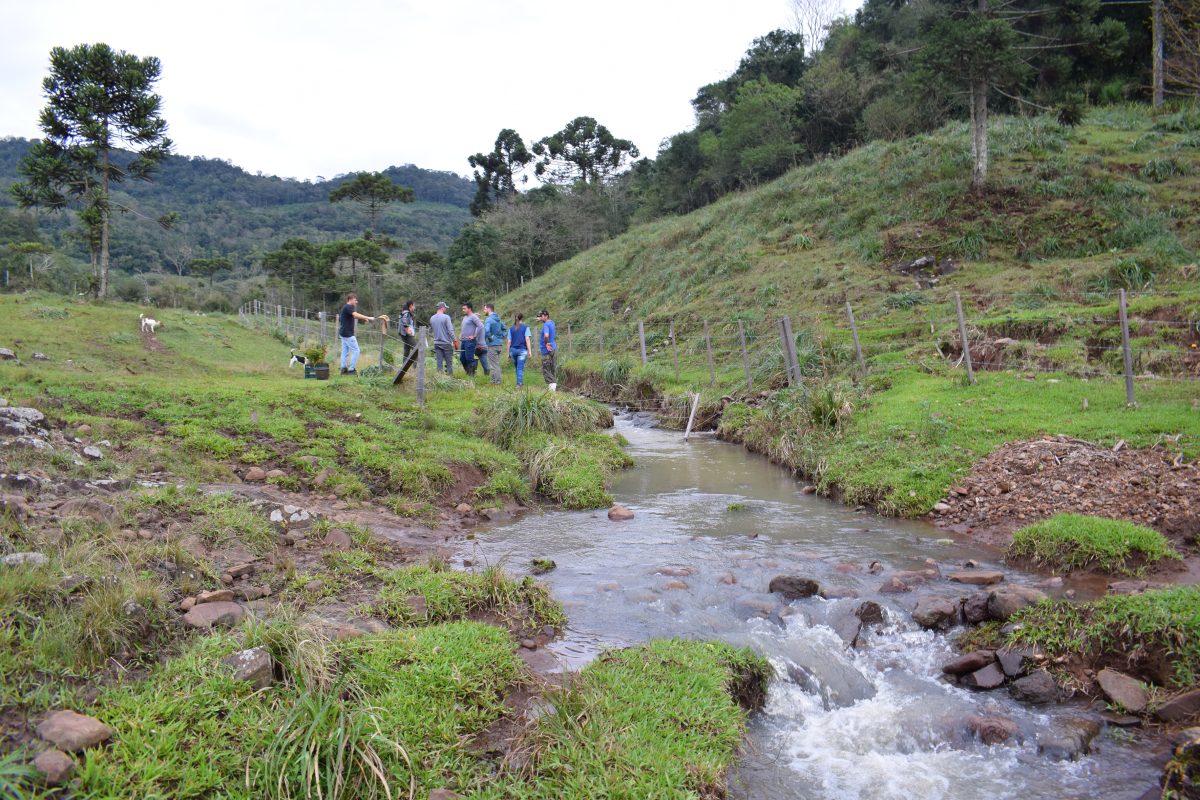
point(876, 721)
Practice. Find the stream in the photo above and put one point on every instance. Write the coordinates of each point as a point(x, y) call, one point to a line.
point(874, 721)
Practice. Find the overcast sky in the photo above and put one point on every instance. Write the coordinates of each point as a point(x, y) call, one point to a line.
point(303, 88)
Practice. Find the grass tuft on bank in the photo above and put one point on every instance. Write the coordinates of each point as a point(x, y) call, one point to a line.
point(1068, 542)
point(1152, 634)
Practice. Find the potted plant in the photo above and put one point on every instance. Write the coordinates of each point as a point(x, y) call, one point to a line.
point(315, 365)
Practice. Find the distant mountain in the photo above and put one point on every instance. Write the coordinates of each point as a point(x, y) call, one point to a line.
point(226, 211)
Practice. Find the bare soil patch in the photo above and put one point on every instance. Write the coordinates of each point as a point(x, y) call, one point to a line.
point(1023, 482)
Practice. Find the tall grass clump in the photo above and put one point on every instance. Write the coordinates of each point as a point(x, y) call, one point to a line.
point(1075, 541)
point(514, 415)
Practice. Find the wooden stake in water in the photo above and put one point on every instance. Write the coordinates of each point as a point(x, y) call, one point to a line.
point(692, 416)
point(962, 333)
point(1127, 353)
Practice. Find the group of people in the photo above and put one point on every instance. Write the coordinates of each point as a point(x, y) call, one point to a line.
point(480, 342)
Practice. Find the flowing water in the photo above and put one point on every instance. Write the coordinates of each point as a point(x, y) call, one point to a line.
point(874, 721)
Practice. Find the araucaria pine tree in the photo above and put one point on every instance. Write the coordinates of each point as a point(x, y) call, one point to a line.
point(101, 124)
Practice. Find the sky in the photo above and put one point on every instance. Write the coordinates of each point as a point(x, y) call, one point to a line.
point(308, 90)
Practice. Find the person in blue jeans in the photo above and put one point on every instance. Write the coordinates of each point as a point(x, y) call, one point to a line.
point(346, 318)
point(519, 346)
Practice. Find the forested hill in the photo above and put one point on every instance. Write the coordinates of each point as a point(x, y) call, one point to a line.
point(226, 211)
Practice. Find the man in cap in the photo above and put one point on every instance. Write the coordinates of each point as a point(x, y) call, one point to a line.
point(443, 339)
point(549, 347)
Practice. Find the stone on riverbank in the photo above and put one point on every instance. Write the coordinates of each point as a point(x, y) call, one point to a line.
point(56, 767)
point(619, 514)
point(72, 732)
point(1126, 692)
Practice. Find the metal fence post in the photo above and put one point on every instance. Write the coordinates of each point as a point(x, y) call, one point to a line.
point(1126, 352)
point(642, 339)
point(962, 332)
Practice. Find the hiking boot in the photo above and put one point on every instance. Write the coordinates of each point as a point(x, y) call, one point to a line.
point(343, 372)
point(351, 372)
point(554, 387)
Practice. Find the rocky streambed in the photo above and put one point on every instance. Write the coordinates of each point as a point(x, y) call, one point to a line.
point(856, 613)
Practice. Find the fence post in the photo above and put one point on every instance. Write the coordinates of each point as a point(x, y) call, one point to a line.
point(674, 349)
point(570, 349)
point(962, 332)
point(323, 336)
point(279, 315)
point(421, 346)
point(306, 326)
point(745, 356)
point(642, 339)
point(854, 332)
point(601, 340)
point(381, 343)
point(712, 374)
point(1127, 353)
point(789, 350)
point(692, 416)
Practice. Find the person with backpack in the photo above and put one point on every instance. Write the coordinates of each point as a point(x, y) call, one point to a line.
point(519, 346)
point(493, 338)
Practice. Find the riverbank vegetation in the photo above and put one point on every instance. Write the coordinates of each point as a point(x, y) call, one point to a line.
point(387, 672)
point(1067, 542)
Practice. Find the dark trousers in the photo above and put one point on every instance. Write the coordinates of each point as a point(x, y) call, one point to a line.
point(410, 356)
point(467, 355)
point(548, 367)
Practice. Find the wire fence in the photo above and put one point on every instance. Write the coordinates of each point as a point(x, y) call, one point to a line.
point(752, 353)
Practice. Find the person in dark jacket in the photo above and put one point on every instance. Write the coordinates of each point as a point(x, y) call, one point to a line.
point(408, 329)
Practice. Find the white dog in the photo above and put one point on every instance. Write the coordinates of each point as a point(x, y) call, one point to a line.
point(149, 324)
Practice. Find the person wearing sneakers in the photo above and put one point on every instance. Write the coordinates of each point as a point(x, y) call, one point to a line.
point(346, 318)
point(549, 348)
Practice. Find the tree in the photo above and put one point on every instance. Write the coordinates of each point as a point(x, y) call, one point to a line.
point(584, 151)
point(99, 101)
point(812, 19)
point(757, 139)
point(209, 267)
point(1181, 40)
point(496, 172)
point(299, 260)
point(372, 191)
point(778, 57)
point(352, 254)
point(37, 256)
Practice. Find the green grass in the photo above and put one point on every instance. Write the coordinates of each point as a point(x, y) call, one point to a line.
point(450, 595)
point(630, 727)
point(1073, 541)
point(1152, 631)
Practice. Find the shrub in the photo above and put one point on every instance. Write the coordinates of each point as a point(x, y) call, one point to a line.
point(1075, 541)
point(513, 415)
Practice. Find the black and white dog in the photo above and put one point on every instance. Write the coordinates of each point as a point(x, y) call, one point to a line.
point(297, 359)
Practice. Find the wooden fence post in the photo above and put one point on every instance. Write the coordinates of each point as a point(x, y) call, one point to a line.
point(601, 340)
point(1127, 353)
point(382, 339)
point(306, 326)
point(642, 339)
point(324, 337)
point(674, 349)
point(712, 374)
point(421, 346)
point(962, 333)
point(745, 356)
point(854, 332)
point(789, 351)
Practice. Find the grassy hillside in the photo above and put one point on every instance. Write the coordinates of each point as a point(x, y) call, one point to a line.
point(1064, 207)
point(1071, 216)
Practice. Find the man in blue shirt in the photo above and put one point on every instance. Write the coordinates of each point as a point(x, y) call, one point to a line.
point(549, 347)
point(346, 318)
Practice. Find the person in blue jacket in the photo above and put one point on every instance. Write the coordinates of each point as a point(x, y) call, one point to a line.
point(549, 348)
point(493, 337)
